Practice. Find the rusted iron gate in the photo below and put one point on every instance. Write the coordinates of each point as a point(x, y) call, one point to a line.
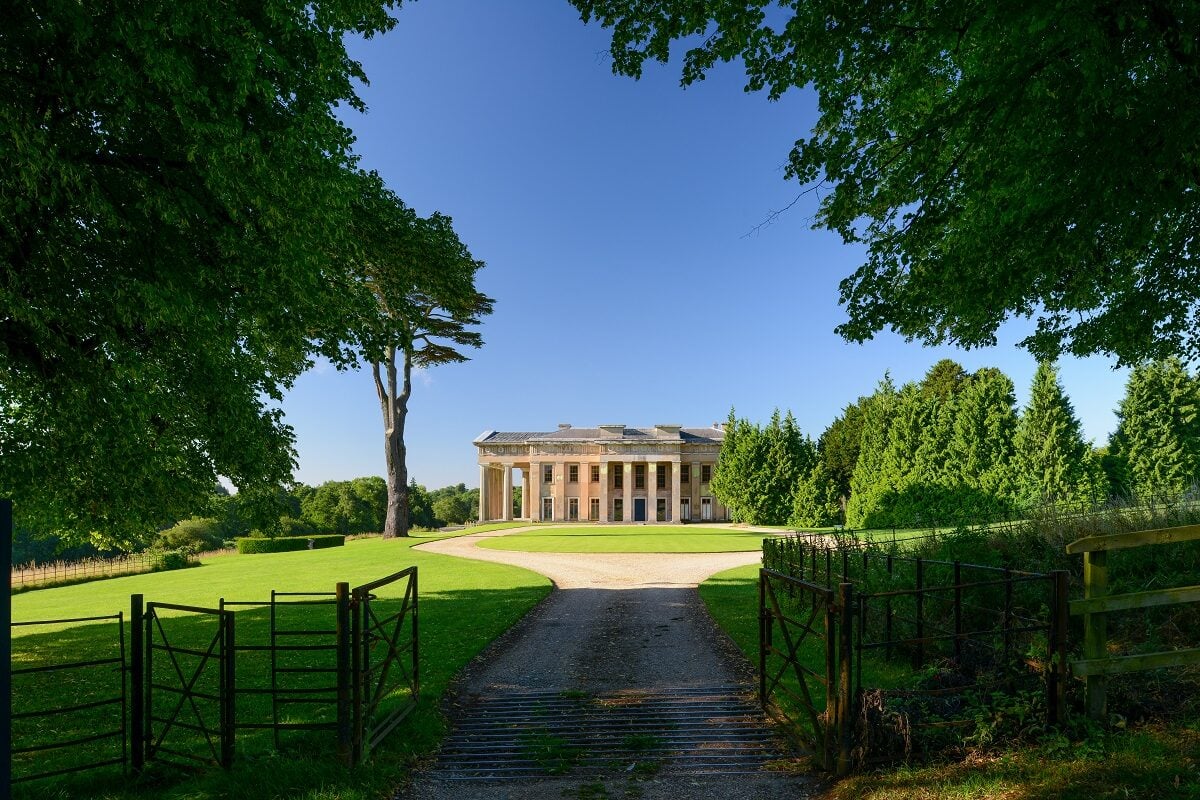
point(791, 613)
point(965, 614)
point(1096, 664)
point(115, 704)
point(186, 689)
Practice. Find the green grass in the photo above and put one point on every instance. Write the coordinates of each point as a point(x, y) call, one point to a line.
point(629, 539)
point(464, 605)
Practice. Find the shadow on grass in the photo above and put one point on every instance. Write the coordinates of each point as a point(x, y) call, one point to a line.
point(455, 626)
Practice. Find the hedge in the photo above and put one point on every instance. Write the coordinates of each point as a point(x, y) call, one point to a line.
point(283, 544)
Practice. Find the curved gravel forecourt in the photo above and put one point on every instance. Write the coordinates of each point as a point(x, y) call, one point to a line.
point(617, 622)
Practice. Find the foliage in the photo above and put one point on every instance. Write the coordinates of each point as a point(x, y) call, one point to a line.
point(1156, 447)
point(838, 447)
point(173, 559)
point(816, 503)
point(346, 507)
point(865, 483)
point(422, 278)
point(175, 201)
point(759, 468)
point(192, 535)
point(994, 162)
point(286, 544)
point(1053, 463)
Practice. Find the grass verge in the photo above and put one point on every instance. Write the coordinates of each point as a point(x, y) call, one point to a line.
point(629, 539)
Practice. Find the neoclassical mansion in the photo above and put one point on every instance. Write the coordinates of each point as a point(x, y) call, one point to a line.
point(606, 474)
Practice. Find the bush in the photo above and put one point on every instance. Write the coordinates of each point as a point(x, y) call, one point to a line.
point(173, 559)
point(194, 535)
point(284, 544)
point(290, 526)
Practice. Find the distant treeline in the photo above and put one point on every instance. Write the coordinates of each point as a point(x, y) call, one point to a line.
point(953, 447)
point(346, 507)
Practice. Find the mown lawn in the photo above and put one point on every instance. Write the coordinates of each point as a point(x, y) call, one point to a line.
point(629, 539)
point(464, 605)
point(1150, 763)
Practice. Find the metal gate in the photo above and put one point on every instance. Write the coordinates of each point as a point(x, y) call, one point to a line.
point(185, 712)
point(384, 658)
point(804, 659)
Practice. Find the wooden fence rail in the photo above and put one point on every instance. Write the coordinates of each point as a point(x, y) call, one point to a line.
point(1096, 665)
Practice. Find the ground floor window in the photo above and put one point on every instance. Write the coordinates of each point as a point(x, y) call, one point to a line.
point(685, 508)
point(547, 508)
point(661, 510)
point(706, 508)
point(618, 510)
point(573, 509)
point(594, 508)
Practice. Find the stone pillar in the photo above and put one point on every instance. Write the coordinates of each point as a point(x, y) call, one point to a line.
point(652, 491)
point(534, 490)
point(627, 499)
point(695, 490)
point(483, 493)
point(507, 494)
point(560, 491)
point(673, 504)
point(524, 493)
point(604, 515)
point(585, 490)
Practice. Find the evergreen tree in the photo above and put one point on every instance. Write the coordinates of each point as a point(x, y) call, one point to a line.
point(1053, 462)
point(981, 449)
point(878, 411)
point(838, 448)
point(1156, 448)
point(817, 503)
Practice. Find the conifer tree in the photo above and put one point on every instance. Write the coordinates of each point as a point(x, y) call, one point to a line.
point(981, 450)
point(1053, 462)
point(878, 411)
point(1156, 447)
point(816, 503)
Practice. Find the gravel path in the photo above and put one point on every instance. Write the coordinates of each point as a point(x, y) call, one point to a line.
point(617, 623)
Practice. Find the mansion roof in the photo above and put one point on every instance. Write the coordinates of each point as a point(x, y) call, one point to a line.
point(607, 434)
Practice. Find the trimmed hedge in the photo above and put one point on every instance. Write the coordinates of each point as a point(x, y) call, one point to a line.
point(283, 544)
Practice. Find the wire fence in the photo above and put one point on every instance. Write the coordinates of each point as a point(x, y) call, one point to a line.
point(27, 576)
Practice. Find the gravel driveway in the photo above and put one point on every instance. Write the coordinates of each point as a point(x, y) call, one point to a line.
point(618, 624)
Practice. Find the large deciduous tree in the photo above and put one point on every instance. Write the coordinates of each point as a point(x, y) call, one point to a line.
point(173, 203)
point(422, 278)
point(1029, 159)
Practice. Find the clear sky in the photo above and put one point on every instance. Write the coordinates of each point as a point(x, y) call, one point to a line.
point(614, 217)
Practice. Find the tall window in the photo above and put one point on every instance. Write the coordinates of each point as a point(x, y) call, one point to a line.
point(660, 479)
point(685, 473)
point(548, 473)
point(573, 473)
point(705, 473)
point(618, 477)
point(594, 508)
point(595, 473)
point(639, 476)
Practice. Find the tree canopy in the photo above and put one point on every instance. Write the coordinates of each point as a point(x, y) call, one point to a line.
point(1031, 159)
point(174, 203)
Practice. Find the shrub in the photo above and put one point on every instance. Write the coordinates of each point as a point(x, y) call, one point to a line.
point(284, 544)
point(290, 526)
point(173, 559)
point(194, 535)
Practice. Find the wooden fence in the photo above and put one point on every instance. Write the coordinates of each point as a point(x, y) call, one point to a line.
point(1096, 665)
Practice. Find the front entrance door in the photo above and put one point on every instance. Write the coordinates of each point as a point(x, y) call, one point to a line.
point(685, 509)
point(639, 509)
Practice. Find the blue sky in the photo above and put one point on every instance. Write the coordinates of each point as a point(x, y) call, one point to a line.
point(614, 217)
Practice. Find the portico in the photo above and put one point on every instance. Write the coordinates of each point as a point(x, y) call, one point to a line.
point(610, 473)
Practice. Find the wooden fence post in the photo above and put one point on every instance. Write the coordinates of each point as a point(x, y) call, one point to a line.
point(1056, 681)
point(1095, 631)
point(919, 601)
point(137, 682)
point(228, 689)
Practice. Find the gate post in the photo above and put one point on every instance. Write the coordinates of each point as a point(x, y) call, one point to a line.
point(227, 689)
point(764, 633)
point(1095, 632)
point(1056, 682)
point(137, 680)
point(356, 678)
point(845, 673)
point(345, 741)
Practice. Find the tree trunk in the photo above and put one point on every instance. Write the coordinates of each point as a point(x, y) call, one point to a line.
point(394, 406)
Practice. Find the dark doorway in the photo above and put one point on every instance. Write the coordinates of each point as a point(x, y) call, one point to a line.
point(639, 509)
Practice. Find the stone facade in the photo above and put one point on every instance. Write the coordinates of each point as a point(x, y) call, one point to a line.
point(610, 473)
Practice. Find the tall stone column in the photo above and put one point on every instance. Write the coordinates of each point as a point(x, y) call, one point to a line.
point(524, 493)
point(673, 504)
point(483, 492)
point(695, 490)
point(585, 490)
point(507, 494)
point(604, 515)
point(627, 499)
point(560, 491)
point(652, 491)
point(534, 490)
